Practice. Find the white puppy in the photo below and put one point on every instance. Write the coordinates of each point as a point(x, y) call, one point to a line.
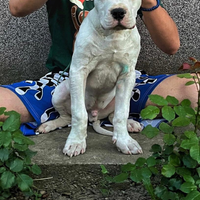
point(102, 76)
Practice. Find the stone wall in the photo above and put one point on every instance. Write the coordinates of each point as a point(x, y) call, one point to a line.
point(25, 42)
point(187, 18)
point(24, 45)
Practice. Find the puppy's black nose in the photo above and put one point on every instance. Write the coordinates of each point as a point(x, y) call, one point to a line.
point(118, 13)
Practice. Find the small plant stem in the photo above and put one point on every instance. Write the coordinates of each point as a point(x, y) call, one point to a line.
point(198, 102)
point(42, 179)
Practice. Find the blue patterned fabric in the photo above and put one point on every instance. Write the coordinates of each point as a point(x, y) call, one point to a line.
point(37, 95)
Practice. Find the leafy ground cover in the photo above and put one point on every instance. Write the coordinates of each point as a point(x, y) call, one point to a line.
point(177, 162)
point(15, 158)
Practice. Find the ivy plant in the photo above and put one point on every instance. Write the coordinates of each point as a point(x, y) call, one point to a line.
point(15, 157)
point(176, 163)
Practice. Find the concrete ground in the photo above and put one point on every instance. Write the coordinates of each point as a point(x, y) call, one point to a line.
point(80, 178)
point(100, 149)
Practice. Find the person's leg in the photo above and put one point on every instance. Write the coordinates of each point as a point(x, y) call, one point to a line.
point(175, 86)
point(11, 101)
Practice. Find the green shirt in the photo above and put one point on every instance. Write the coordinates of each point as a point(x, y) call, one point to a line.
point(65, 17)
point(64, 21)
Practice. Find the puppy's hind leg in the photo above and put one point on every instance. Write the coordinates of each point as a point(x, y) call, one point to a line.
point(61, 102)
point(132, 125)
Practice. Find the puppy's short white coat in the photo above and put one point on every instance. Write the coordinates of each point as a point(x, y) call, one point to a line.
point(102, 76)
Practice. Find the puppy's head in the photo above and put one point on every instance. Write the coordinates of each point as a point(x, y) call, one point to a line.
point(117, 14)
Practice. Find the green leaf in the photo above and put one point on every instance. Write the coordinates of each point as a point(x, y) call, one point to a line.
point(150, 112)
point(136, 176)
point(157, 99)
point(198, 182)
point(2, 169)
point(195, 152)
point(128, 167)
point(24, 182)
point(27, 155)
point(174, 160)
point(140, 162)
point(12, 123)
point(168, 195)
point(156, 148)
point(150, 132)
point(189, 162)
point(169, 139)
point(4, 154)
point(151, 161)
point(168, 113)
point(20, 147)
point(7, 180)
point(175, 183)
point(146, 173)
point(185, 75)
point(188, 178)
point(168, 170)
point(103, 169)
point(166, 128)
point(159, 190)
point(189, 110)
point(168, 150)
point(5, 139)
point(180, 111)
point(172, 100)
point(190, 83)
point(120, 178)
point(154, 170)
point(181, 121)
point(2, 110)
point(30, 153)
point(188, 187)
point(19, 138)
point(188, 143)
point(183, 171)
point(16, 165)
point(36, 169)
point(186, 102)
point(193, 195)
point(12, 112)
point(190, 134)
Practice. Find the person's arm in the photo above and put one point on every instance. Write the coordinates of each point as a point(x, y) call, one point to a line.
point(21, 8)
point(161, 27)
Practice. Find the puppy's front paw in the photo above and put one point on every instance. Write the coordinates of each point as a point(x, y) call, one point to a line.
point(127, 145)
point(74, 147)
point(134, 126)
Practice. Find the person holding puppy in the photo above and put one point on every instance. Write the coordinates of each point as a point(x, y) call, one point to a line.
point(33, 98)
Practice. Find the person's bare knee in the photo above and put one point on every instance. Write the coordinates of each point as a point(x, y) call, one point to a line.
point(175, 86)
point(11, 101)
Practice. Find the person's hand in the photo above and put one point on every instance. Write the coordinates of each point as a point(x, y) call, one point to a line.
point(148, 3)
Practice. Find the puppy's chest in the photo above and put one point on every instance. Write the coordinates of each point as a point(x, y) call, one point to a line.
point(104, 76)
point(115, 51)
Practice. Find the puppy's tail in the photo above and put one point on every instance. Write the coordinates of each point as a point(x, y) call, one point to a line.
point(100, 130)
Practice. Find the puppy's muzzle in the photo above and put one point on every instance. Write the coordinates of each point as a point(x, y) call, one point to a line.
point(118, 13)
